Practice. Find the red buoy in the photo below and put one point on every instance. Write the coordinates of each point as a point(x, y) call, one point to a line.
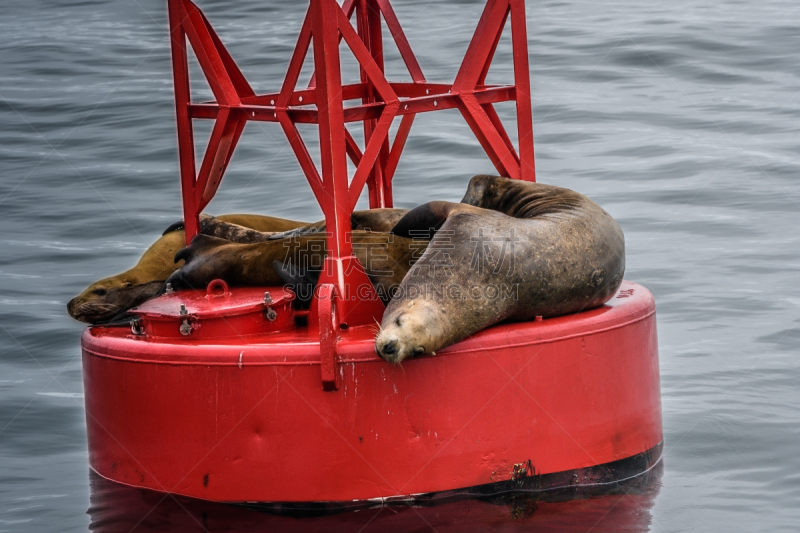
point(245, 418)
point(234, 395)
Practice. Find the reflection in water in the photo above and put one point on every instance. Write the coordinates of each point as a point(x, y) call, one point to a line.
point(616, 507)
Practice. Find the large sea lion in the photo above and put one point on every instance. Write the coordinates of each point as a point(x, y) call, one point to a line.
point(512, 250)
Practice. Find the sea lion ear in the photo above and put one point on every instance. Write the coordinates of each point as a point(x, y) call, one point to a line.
point(477, 188)
point(423, 221)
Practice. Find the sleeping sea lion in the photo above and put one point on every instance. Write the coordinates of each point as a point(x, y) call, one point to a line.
point(110, 297)
point(256, 222)
point(103, 300)
point(386, 259)
point(512, 250)
point(378, 220)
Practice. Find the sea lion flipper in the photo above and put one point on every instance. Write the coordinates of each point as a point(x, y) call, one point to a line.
point(424, 221)
point(200, 266)
point(302, 282)
point(200, 244)
point(184, 254)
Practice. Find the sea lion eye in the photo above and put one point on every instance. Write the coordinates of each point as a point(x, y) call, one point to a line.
point(127, 285)
point(99, 292)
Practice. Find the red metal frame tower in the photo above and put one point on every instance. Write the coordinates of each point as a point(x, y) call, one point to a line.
point(326, 24)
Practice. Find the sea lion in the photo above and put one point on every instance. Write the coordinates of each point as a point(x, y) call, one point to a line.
point(107, 298)
point(512, 250)
point(378, 220)
point(256, 222)
point(386, 259)
point(110, 297)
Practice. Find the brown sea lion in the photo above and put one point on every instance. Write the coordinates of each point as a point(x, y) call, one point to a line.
point(110, 297)
point(105, 299)
point(256, 222)
point(386, 259)
point(512, 250)
point(377, 220)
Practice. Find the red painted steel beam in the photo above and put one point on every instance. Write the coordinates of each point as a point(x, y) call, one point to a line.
point(324, 22)
point(397, 148)
point(400, 39)
point(370, 33)
point(208, 55)
point(353, 151)
point(522, 82)
point(180, 75)
point(409, 106)
point(348, 7)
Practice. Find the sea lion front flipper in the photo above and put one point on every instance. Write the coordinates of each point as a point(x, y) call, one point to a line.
point(203, 263)
point(302, 282)
point(424, 221)
point(200, 244)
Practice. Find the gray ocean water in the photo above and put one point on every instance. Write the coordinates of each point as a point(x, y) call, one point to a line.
point(680, 118)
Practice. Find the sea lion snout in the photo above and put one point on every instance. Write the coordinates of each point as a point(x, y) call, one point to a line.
point(388, 349)
point(406, 334)
point(71, 308)
point(393, 350)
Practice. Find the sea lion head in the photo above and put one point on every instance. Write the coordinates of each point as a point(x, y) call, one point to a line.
point(486, 191)
point(410, 328)
point(108, 298)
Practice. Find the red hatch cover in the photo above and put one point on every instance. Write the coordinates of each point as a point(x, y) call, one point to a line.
point(217, 312)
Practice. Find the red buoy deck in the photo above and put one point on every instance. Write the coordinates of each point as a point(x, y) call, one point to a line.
point(236, 420)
